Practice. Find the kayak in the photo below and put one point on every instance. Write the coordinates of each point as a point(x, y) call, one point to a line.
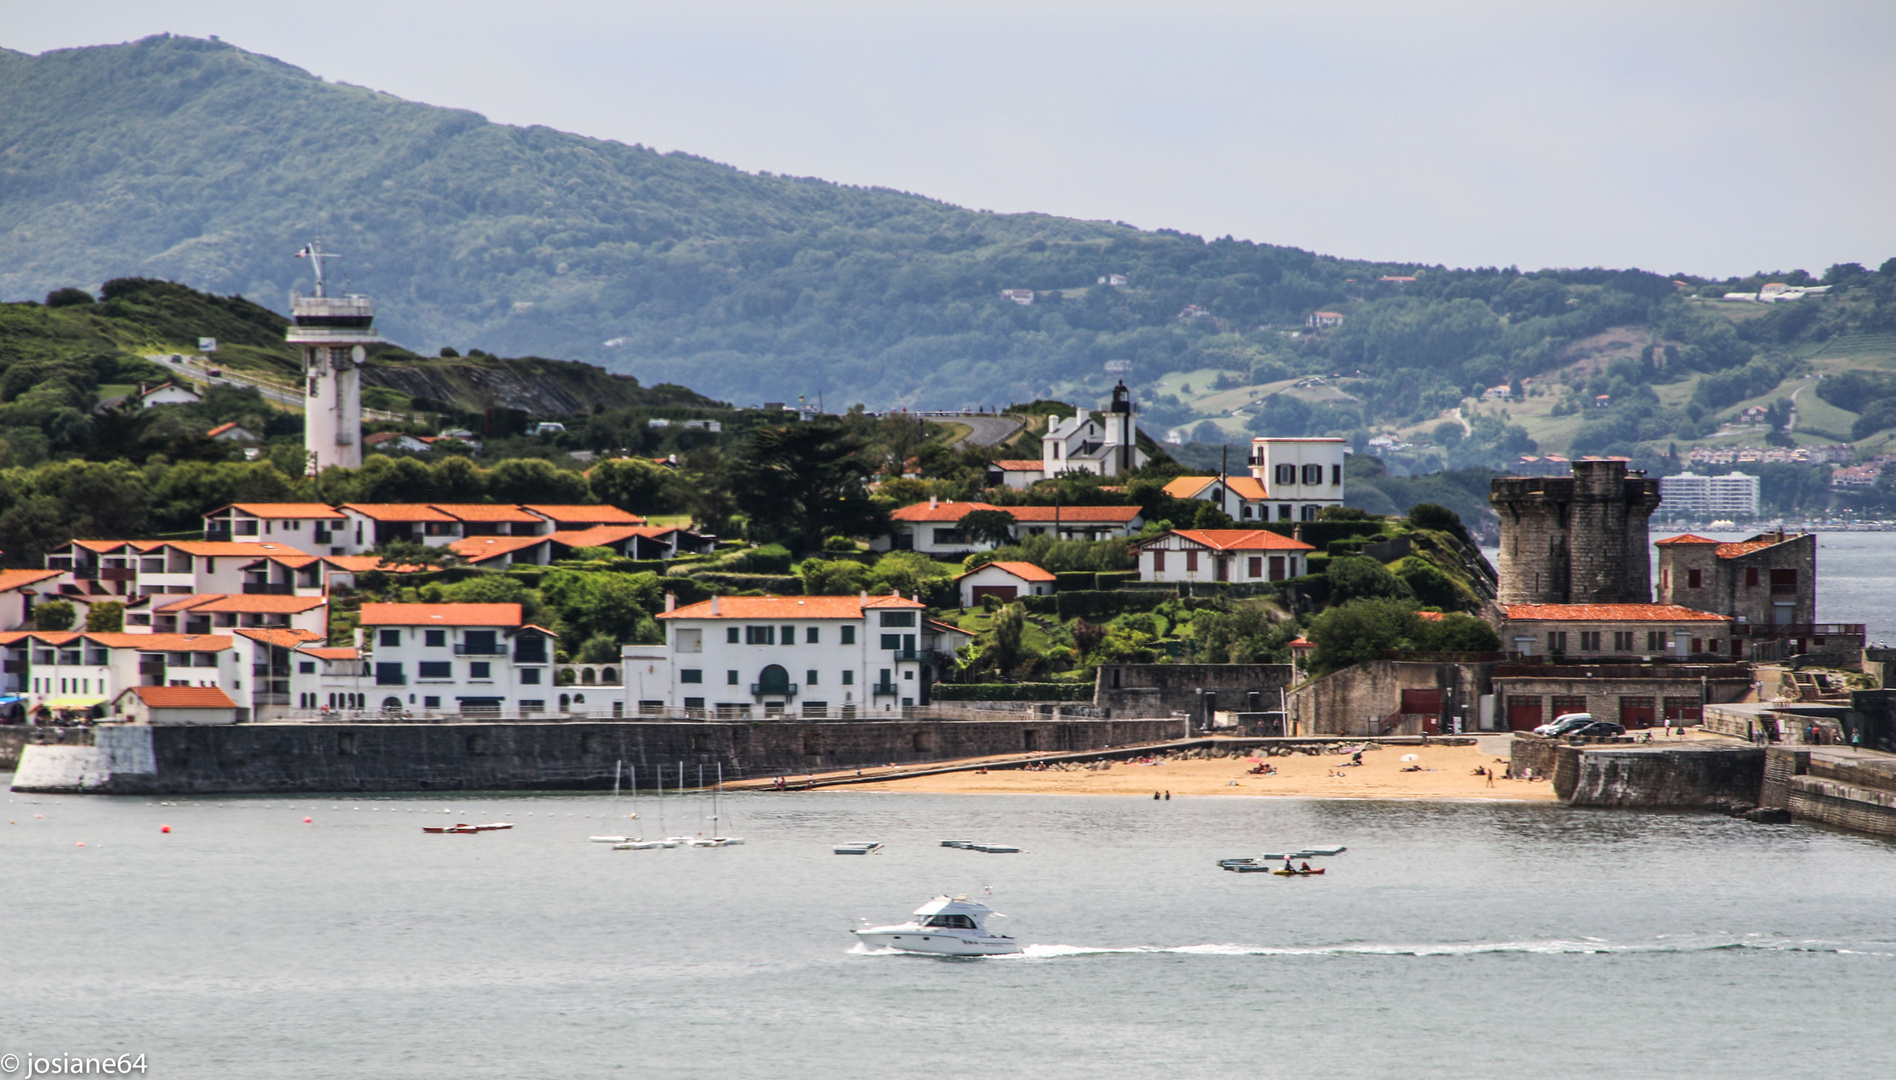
point(1296, 873)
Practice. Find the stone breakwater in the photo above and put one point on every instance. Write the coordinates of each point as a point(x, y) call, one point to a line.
point(144, 759)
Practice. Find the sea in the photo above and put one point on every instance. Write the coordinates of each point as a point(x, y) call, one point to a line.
point(332, 938)
point(1856, 577)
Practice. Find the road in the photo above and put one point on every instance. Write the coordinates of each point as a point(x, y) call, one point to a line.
point(286, 394)
point(989, 428)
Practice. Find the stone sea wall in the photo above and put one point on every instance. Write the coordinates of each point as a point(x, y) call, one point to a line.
point(1712, 777)
point(142, 759)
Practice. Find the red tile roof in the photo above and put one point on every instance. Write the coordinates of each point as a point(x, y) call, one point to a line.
point(1244, 487)
point(1118, 515)
point(485, 512)
point(601, 535)
point(397, 512)
point(332, 652)
point(358, 564)
point(1020, 464)
point(164, 642)
point(440, 615)
point(292, 511)
point(278, 636)
point(1686, 538)
point(1609, 613)
point(243, 603)
point(230, 549)
point(1746, 547)
point(183, 697)
point(786, 607)
point(1238, 539)
point(477, 548)
point(16, 579)
point(601, 514)
point(1025, 571)
point(945, 511)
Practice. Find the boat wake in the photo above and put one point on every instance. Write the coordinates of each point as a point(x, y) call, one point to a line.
point(1551, 947)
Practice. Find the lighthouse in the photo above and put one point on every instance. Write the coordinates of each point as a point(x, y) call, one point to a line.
point(333, 333)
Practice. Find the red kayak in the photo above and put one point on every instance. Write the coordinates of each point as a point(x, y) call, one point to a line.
point(1296, 873)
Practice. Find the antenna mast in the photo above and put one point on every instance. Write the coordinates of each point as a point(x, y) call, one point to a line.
point(313, 251)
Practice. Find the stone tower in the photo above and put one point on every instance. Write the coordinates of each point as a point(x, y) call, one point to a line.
point(334, 334)
point(1579, 540)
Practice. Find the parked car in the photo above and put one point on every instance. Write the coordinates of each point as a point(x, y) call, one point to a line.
point(1564, 723)
point(1599, 729)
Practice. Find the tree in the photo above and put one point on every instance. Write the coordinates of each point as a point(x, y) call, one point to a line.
point(632, 484)
point(54, 615)
point(994, 527)
point(414, 553)
point(1457, 632)
point(804, 482)
point(602, 602)
point(844, 577)
point(1209, 515)
point(68, 297)
point(533, 480)
point(598, 649)
point(105, 617)
point(1357, 577)
point(910, 573)
point(1359, 631)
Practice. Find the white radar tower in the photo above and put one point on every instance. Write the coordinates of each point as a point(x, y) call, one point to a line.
point(334, 333)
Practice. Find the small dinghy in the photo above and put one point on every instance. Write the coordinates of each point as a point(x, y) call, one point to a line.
point(995, 849)
point(957, 843)
point(859, 847)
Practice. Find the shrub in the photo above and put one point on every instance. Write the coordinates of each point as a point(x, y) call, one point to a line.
point(68, 297)
point(105, 617)
point(54, 615)
point(1100, 604)
point(1359, 578)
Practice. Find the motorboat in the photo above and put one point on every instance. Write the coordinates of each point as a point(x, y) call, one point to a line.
point(859, 847)
point(973, 845)
point(957, 843)
point(643, 845)
point(465, 828)
point(945, 926)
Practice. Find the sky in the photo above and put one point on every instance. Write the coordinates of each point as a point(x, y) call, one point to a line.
point(1711, 138)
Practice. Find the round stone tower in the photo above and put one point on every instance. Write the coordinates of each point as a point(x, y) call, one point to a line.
point(1578, 540)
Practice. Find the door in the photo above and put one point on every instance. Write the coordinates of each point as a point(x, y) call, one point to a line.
point(1638, 712)
point(1524, 713)
point(1224, 568)
point(1422, 701)
point(1277, 568)
point(1004, 593)
point(1681, 711)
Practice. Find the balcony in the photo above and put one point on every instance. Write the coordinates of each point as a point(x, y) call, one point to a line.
point(883, 689)
point(267, 588)
point(390, 680)
point(217, 535)
point(114, 573)
point(465, 649)
point(773, 689)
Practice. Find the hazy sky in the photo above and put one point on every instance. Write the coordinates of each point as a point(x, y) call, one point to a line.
point(1719, 137)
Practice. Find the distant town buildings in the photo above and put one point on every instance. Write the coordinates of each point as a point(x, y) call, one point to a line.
point(1771, 455)
point(1018, 296)
point(1777, 291)
point(1117, 281)
point(1324, 320)
point(1733, 495)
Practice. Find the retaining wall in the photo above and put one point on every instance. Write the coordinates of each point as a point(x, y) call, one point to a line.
point(1715, 777)
point(142, 759)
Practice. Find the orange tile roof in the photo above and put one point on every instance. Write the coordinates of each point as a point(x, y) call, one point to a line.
point(279, 636)
point(231, 549)
point(1037, 514)
point(440, 615)
point(477, 548)
point(1020, 464)
point(1025, 571)
point(1746, 547)
point(485, 512)
point(50, 637)
point(601, 535)
point(183, 697)
point(15, 579)
point(944, 511)
point(312, 511)
point(601, 514)
point(164, 642)
point(1249, 488)
point(358, 564)
point(1239, 539)
point(248, 604)
point(182, 603)
point(1429, 616)
point(397, 512)
point(1609, 613)
point(1686, 538)
point(786, 607)
point(332, 652)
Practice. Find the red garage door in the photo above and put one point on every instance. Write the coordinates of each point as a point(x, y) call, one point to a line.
point(1003, 593)
point(1524, 713)
point(1638, 712)
point(1683, 710)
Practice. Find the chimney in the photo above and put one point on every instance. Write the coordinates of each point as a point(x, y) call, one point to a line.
point(358, 639)
point(671, 602)
point(714, 606)
point(1297, 531)
point(933, 502)
point(864, 598)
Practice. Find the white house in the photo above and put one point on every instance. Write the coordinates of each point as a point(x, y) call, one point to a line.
point(220, 613)
point(168, 394)
point(1303, 476)
point(470, 659)
point(1244, 498)
point(735, 657)
point(19, 591)
point(233, 432)
point(1324, 320)
point(499, 552)
point(394, 440)
point(77, 671)
point(1017, 473)
point(328, 680)
point(561, 517)
point(931, 527)
point(1005, 581)
point(174, 705)
point(120, 569)
point(1104, 447)
point(1222, 555)
point(312, 527)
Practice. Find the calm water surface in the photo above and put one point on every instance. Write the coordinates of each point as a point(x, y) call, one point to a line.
point(1452, 940)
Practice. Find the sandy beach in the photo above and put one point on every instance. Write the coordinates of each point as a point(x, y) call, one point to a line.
point(1448, 772)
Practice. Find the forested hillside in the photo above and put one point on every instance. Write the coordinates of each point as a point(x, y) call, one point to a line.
point(196, 161)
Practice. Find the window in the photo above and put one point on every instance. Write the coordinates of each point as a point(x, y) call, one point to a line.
point(389, 637)
point(849, 635)
point(849, 678)
point(695, 703)
point(948, 537)
point(811, 635)
point(1313, 474)
point(530, 676)
point(1655, 640)
point(730, 677)
point(908, 673)
point(480, 669)
point(1286, 474)
point(1309, 512)
point(892, 642)
point(1569, 704)
point(1589, 641)
point(1693, 579)
point(789, 635)
point(431, 703)
point(1556, 641)
point(306, 667)
point(898, 618)
point(435, 639)
point(528, 705)
point(1285, 512)
point(690, 675)
point(1158, 562)
point(1698, 645)
point(1783, 581)
point(436, 669)
point(688, 641)
point(1191, 562)
point(730, 635)
point(809, 677)
point(1255, 566)
point(1751, 577)
point(760, 635)
point(1622, 641)
point(1277, 568)
point(1336, 475)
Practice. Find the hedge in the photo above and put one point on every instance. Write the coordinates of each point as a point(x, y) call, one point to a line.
point(1039, 605)
point(1114, 579)
point(1031, 691)
point(777, 584)
point(1072, 579)
point(1318, 534)
point(1095, 603)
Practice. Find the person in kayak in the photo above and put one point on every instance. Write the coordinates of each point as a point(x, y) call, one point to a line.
point(1306, 867)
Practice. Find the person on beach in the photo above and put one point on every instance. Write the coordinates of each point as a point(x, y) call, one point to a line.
point(1168, 796)
point(1490, 777)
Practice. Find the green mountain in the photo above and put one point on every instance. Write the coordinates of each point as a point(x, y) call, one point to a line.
point(197, 161)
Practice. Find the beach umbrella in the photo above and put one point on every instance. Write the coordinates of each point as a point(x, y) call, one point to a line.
point(1410, 757)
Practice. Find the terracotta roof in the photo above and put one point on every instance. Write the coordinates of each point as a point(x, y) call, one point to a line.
point(945, 511)
point(246, 603)
point(1037, 514)
point(1249, 488)
point(1020, 465)
point(440, 615)
point(947, 628)
point(1238, 539)
point(1746, 547)
point(231, 549)
point(15, 579)
point(601, 535)
point(397, 512)
point(1429, 616)
point(1025, 571)
point(181, 603)
point(313, 511)
point(1686, 538)
point(220, 429)
point(279, 636)
point(164, 642)
point(477, 548)
point(485, 512)
point(183, 697)
point(50, 637)
point(358, 564)
point(1300, 642)
point(1609, 613)
point(331, 652)
point(601, 514)
point(786, 607)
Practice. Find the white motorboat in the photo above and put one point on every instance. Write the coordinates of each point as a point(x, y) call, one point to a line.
point(946, 926)
point(859, 847)
point(643, 845)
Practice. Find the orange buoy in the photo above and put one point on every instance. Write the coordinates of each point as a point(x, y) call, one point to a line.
point(164, 828)
point(306, 820)
point(82, 843)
